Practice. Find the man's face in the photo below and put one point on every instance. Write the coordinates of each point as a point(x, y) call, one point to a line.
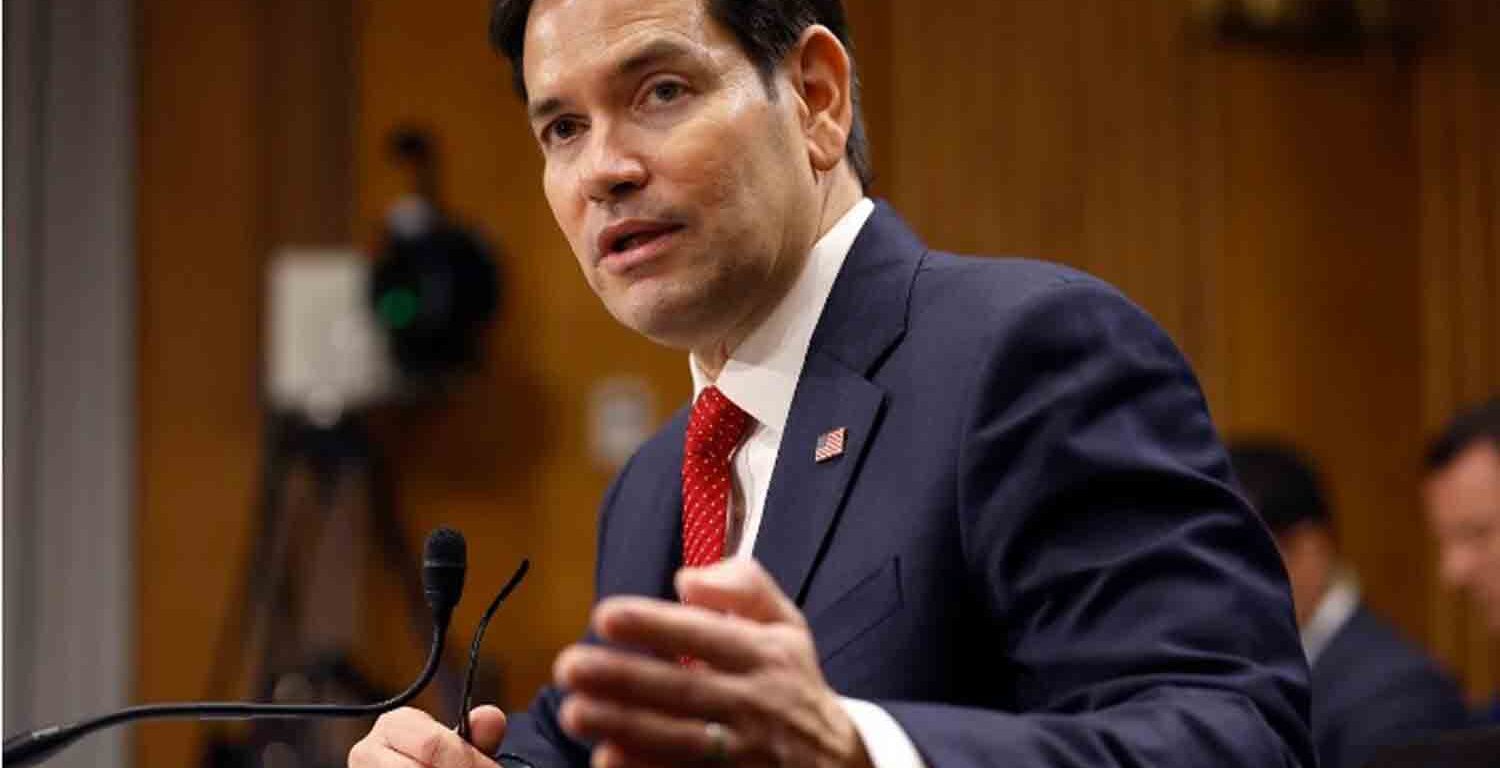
point(1463, 508)
point(683, 187)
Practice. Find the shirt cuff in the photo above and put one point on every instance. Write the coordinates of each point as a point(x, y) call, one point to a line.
point(885, 740)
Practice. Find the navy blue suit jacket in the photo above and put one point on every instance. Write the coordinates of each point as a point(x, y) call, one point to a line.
point(1490, 715)
point(1028, 553)
point(1371, 688)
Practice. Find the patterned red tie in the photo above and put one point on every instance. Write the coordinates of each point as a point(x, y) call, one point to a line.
point(715, 428)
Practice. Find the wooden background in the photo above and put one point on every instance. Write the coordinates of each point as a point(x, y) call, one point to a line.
point(1320, 234)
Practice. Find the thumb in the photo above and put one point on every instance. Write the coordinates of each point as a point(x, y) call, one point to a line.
point(487, 726)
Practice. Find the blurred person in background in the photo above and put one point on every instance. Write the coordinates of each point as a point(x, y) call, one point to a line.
point(1370, 687)
point(1462, 499)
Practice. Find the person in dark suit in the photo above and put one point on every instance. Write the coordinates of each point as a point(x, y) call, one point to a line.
point(1371, 688)
point(923, 510)
point(1462, 498)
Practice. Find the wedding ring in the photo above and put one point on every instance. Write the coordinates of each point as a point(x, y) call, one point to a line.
point(718, 743)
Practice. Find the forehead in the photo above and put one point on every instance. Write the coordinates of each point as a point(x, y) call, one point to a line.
point(569, 38)
point(1469, 486)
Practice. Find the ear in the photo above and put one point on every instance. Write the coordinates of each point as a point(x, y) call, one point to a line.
point(822, 75)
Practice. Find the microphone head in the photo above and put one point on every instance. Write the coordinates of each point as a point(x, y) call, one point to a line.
point(444, 560)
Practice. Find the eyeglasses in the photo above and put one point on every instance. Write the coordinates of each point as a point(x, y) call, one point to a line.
point(466, 703)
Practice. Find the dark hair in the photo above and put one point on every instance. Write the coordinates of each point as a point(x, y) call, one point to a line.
point(765, 29)
point(1281, 484)
point(1475, 424)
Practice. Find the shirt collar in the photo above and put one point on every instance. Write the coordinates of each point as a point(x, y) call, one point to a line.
point(761, 373)
point(1334, 611)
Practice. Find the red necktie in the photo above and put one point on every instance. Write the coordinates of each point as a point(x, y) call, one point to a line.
point(714, 430)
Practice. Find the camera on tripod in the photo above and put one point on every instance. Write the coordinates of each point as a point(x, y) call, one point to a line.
point(346, 333)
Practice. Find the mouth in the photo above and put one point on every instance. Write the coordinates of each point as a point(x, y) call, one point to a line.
point(625, 244)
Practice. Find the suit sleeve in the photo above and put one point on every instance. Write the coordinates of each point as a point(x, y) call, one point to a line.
point(1140, 600)
point(534, 738)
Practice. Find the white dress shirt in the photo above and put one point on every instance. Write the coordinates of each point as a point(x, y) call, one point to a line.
point(761, 377)
point(1335, 609)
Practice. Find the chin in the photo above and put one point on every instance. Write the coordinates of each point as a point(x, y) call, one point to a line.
point(660, 324)
point(673, 335)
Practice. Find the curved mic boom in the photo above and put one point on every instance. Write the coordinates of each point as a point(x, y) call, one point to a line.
point(443, 564)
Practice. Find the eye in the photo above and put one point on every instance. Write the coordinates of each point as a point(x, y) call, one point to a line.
point(666, 91)
point(561, 130)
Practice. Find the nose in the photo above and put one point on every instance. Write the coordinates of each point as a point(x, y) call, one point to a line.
point(613, 168)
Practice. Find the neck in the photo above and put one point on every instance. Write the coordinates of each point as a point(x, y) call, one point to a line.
point(1324, 584)
point(837, 192)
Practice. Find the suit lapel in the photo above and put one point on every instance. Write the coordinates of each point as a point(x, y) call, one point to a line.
point(864, 318)
point(652, 531)
point(805, 496)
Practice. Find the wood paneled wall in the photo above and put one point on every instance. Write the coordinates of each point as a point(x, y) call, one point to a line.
point(1457, 94)
point(202, 179)
point(1259, 204)
point(245, 125)
point(1319, 234)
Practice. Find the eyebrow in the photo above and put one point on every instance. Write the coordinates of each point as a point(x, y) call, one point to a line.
point(545, 108)
point(654, 52)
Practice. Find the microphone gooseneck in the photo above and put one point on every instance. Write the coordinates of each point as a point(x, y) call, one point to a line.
point(443, 565)
point(467, 700)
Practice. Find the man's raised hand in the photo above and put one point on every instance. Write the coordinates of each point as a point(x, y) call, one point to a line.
point(754, 695)
point(410, 738)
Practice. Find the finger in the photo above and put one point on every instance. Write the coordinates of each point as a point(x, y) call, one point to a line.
point(414, 735)
point(487, 728)
point(643, 681)
point(671, 629)
point(368, 753)
point(610, 755)
point(739, 586)
point(398, 727)
point(402, 719)
point(641, 734)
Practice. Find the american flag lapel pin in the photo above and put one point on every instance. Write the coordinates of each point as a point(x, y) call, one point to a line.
point(830, 445)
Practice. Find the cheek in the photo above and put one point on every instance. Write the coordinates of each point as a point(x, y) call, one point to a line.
point(560, 197)
point(566, 211)
point(695, 166)
point(694, 156)
point(1493, 550)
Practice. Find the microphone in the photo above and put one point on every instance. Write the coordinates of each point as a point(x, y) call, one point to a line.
point(443, 562)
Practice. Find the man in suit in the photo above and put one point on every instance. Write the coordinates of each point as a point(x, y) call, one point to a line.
point(1370, 686)
point(924, 509)
point(1462, 496)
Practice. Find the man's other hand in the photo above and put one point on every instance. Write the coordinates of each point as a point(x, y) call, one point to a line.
point(409, 738)
point(753, 696)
